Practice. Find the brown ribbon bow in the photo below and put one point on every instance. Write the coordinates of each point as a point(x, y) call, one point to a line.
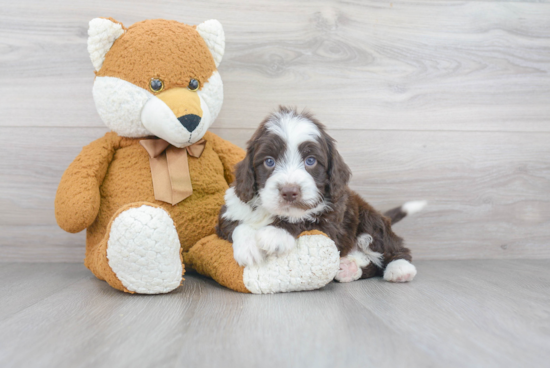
point(170, 168)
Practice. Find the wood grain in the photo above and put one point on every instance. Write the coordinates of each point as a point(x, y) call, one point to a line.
point(25, 284)
point(454, 314)
point(47, 243)
point(487, 191)
point(412, 65)
point(445, 101)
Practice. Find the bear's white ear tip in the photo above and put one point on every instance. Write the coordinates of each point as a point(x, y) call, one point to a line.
point(212, 33)
point(102, 33)
point(211, 23)
point(94, 25)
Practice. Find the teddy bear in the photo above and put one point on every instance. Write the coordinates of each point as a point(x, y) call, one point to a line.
point(148, 193)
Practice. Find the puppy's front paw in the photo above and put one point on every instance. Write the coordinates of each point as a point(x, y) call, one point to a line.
point(399, 270)
point(275, 240)
point(247, 255)
point(245, 249)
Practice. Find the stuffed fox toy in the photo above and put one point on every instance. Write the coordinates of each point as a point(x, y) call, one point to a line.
point(149, 192)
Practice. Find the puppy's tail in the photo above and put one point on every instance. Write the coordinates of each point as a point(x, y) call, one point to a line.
point(408, 208)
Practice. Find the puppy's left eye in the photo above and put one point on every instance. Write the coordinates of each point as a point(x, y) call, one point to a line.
point(310, 161)
point(269, 162)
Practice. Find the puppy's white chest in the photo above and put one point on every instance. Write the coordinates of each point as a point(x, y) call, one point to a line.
point(237, 210)
point(260, 218)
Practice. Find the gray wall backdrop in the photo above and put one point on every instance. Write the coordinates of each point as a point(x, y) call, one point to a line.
point(439, 100)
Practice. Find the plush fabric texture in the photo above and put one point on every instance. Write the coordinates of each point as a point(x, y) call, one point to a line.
point(312, 264)
point(212, 94)
point(98, 260)
point(212, 33)
point(174, 53)
point(114, 171)
point(122, 93)
point(144, 250)
point(101, 35)
point(213, 257)
point(138, 244)
point(120, 105)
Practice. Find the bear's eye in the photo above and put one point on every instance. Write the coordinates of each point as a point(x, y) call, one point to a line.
point(193, 85)
point(156, 85)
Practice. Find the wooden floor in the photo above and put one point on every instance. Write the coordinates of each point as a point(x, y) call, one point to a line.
point(477, 313)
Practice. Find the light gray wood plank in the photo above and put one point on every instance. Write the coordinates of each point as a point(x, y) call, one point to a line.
point(360, 64)
point(46, 243)
point(492, 312)
point(455, 314)
point(25, 284)
point(96, 317)
point(488, 192)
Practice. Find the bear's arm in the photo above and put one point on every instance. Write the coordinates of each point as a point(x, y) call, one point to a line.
point(77, 199)
point(229, 154)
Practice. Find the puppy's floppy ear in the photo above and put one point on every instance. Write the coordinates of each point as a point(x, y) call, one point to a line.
point(245, 181)
point(338, 172)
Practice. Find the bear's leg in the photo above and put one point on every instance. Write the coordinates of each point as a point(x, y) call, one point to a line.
point(312, 264)
point(213, 257)
point(140, 252)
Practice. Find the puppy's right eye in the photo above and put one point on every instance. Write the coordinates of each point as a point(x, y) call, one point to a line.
point(269, 162)
point(311, 161)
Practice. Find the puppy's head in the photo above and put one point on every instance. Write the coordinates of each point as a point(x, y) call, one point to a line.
point(292, 166)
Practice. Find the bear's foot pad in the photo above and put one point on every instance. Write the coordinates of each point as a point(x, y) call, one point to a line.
point(144, 250)
point(312, 264)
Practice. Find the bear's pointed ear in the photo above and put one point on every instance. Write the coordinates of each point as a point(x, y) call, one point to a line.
point(212, 33)
point(102, 33)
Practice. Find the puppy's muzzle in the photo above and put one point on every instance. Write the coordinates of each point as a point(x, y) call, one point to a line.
point(291, 193)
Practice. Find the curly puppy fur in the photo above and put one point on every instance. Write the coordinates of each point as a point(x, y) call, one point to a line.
point(292, 180)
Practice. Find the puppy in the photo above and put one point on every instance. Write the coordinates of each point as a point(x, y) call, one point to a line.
point(293, 180)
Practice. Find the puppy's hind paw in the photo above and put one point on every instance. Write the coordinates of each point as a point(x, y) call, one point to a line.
point(399, 270)
point(349, 270)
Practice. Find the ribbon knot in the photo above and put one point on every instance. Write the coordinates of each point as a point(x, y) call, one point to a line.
point(170, 168)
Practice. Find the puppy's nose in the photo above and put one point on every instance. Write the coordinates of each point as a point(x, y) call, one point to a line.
point(290, 193)
point(190, 121)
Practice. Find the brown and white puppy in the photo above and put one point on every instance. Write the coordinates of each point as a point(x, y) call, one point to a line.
point(292, 180)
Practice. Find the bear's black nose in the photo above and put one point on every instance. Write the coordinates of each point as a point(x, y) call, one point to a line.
point(190, 121)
